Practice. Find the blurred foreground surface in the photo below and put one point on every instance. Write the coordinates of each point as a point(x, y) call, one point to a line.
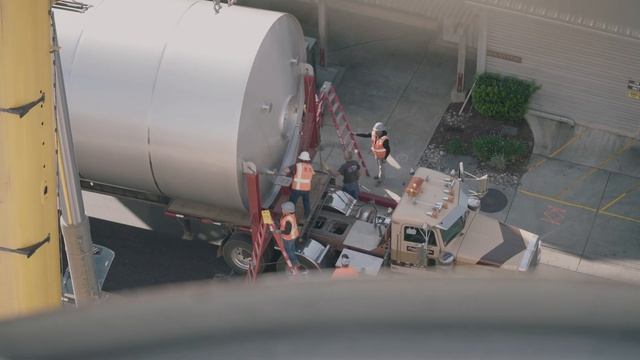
point(439, 317)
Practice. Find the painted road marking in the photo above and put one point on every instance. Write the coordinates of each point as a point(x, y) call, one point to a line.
point(578, 206)
point(554, 215)
point(559, 201)
point(559, 150)
point(621, 217)
point(627, 192)
point(596, 168)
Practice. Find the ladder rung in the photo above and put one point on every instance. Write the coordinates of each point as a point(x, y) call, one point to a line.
point(342, 129)
point(348, 143)
point(348, 147)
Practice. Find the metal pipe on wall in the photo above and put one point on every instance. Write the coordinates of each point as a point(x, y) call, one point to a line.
point(323, 34)
point(74, 222)
point(482, 42)
point(458, 93)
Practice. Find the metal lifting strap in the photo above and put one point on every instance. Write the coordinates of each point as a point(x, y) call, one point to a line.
point(23, 110)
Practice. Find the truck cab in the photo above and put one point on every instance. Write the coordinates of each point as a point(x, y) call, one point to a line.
point(437, 223)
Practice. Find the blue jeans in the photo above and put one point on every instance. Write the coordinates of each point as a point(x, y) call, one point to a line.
point(352, 189)
point(290, 248)
point(295, 194)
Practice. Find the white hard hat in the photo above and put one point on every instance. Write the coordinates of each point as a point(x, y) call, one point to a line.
point(304, 156)
point(378, 127)
point(344, 260)
point(288, 207)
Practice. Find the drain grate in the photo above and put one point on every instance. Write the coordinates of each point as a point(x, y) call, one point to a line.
point(494, 201)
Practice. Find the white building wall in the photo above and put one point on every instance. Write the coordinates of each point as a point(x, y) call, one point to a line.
point(584, 74)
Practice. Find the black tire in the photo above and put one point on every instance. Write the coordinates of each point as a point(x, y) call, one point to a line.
point(237, 253)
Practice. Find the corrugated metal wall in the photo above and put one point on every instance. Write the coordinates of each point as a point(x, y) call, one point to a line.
point(584, 74)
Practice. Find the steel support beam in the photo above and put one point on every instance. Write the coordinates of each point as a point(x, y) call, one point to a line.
point(458, 92)
point(323, 31)
point(29, 246)
point(482, 42)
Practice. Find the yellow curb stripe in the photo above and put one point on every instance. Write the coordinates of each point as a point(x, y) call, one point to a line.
point(596, 168)
point(610, 204)
point(560, 149)
point(570, 142)
point(568, 203)
point(536, 165)
point(576, 182)
point(629, 191)
point(620, 217)
point(559, 201)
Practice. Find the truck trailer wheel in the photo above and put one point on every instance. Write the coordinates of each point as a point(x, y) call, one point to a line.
point(237, 253)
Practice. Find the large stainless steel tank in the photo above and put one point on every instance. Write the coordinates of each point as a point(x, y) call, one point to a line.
point(168, 97)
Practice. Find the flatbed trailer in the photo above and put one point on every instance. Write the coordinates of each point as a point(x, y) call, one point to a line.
point(238, 245)
point(435, 222)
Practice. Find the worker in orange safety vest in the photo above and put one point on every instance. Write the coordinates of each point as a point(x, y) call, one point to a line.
point(289, 231)
point(379, 147)
point(345, 271)
point(301, 183)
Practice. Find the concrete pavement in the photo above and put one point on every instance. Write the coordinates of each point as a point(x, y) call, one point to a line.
point(404, 82)
point(585, 200)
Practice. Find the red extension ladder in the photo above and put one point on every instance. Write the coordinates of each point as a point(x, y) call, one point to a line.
point(346, 136)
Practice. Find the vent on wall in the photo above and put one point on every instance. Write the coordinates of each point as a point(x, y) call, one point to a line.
point(71, 5)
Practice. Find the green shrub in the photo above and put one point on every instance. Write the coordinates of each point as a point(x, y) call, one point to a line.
point(457, 147)
point(503, 98)
point(513, 149)
point(498, 162)
point(485, 148)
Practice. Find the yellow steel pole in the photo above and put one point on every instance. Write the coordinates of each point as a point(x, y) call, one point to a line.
point(29, 245)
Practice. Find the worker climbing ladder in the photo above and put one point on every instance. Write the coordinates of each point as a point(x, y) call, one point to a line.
point(267, 227)
point(262, 226)
point(346, 136)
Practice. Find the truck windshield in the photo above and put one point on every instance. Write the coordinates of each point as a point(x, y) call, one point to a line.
point(453, 230)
